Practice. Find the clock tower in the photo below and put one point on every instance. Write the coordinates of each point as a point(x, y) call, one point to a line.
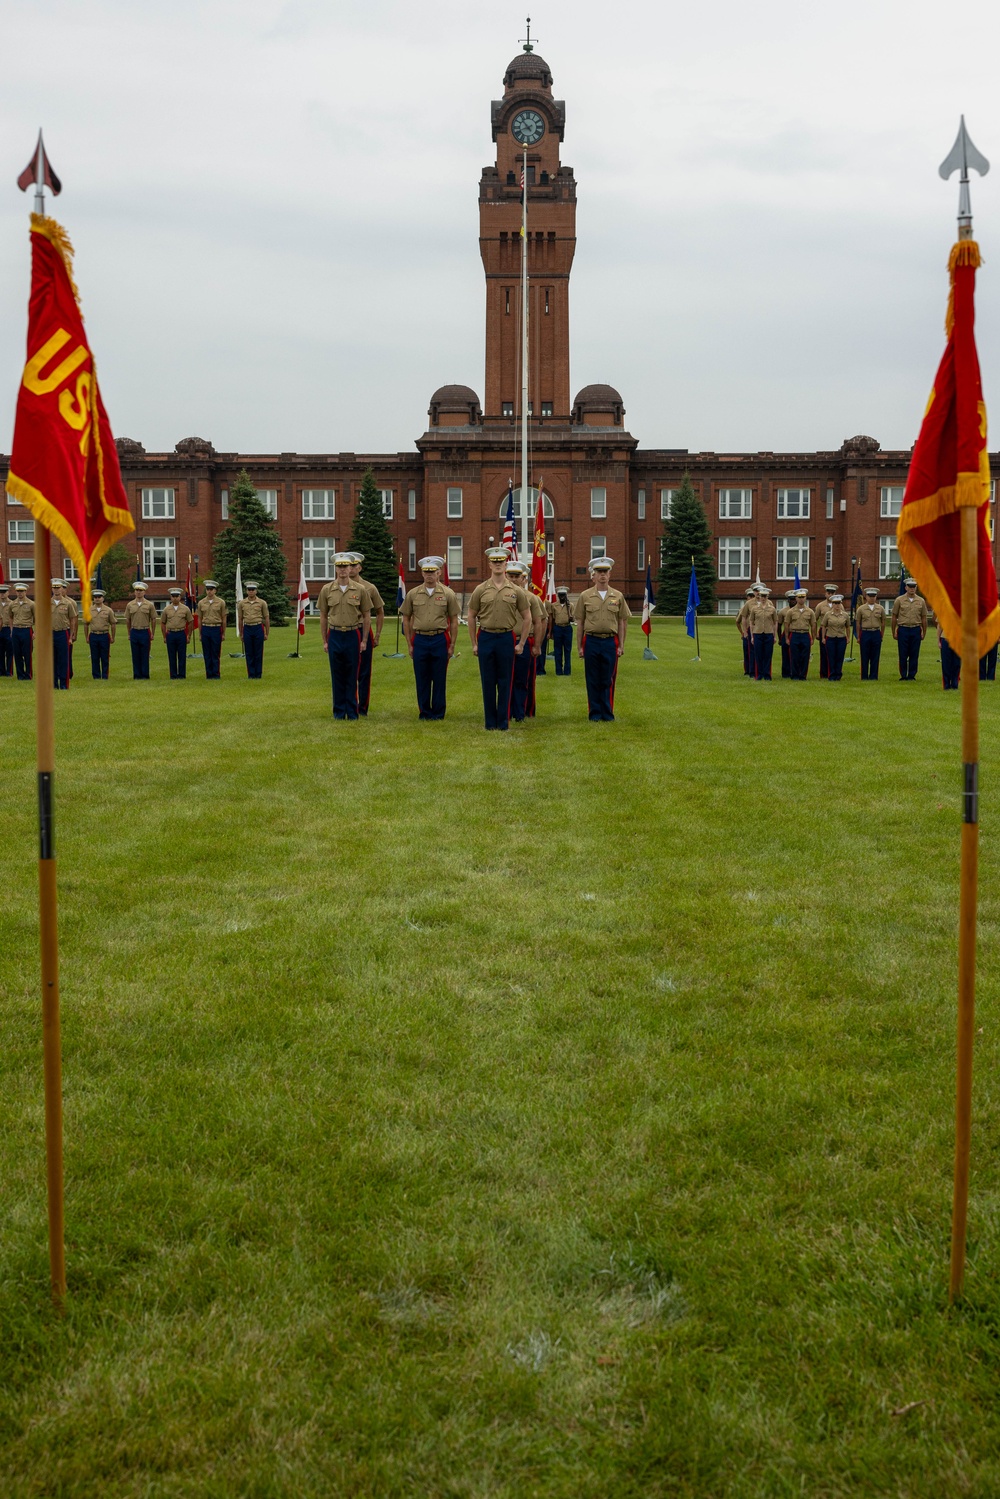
point(527, 118)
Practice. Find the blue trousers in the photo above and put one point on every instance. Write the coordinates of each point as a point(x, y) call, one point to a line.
point(836, 650)
point(800, 646)
point(100, 656)
point(211, 649)
point(763, 650)
point(987, 665)
point(253, 649)
point(496, 673)
point(522, 697)
point(365, 675)
point(60, 658)
point(139, 641)
point(824, 660)
point(345, 661)
point(870, 644)
point(786, 657)
point(908, 642)
point(430, 672)
point(747, 655)
point(541, 660)
point(600, 668)
point(562, 647)
point(951, 667)
point(177, 644)
point(6, 652)
point(21, 642)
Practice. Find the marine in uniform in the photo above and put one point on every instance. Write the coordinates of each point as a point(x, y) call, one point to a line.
point(786, 650)
point(801, 632)
point(212, 616)
point(22, 631)
point(870, 625)
point(821, 610)
point(99, 633)
point(543, 655)
point(764, 629)
point(987, 665)
point(430, 628)
point(603, 616)
point(951, 663)
point(65, 622)
point(140, 622)
point(6, 637)
point(344, 621)
point(743, 626)
point(522, 697)
point(562, 633)
point(253, 623)
point(834, 633)
point(175, 622)
point(909, 626)
point(376, 607)
point(499, 625)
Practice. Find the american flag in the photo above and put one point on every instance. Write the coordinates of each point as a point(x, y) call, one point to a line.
point(510, 525)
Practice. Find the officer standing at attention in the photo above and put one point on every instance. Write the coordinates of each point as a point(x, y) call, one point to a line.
point(870, 624)
point(253, 623)
point(140, 622)
point(377, 607)
point(22, 628)
point(801, 633)
point(786, 653)
point(821, 610)
point(65, 621)
point(430, 627)
point(743, 625)
point(548, 610)
point(951, 663)
point(562, 633)
point(502, 607)
point(603, 616)
point(212, 616)
point(522, 698)
point(764, 630)
point(175, 622)
point(834, 632)
point(99, 633)
point(6, 638)
point(344, 621)
point(909, 626)
point(987, 665)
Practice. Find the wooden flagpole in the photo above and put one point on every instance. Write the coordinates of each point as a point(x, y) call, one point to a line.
point(48, 912)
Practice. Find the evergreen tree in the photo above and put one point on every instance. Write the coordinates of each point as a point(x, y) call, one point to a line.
point(252, 537)
point(117, 573)
point(685, 535)
point(371, 535)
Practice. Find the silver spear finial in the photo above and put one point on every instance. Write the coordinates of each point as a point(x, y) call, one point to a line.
point(960, 158)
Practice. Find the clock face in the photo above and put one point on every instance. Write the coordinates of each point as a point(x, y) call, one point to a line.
point(528, 127)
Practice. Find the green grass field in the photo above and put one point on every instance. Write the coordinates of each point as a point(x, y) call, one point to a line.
point(559, 1113)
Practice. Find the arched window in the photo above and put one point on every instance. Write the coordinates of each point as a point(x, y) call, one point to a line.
point(525, 516)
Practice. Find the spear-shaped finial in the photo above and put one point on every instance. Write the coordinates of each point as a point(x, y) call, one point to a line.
point(39, 171)
point(961, 157)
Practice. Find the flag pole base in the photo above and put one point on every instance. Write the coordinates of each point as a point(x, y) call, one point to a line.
point(237, 656)
point(647, 654)
point(392, 656)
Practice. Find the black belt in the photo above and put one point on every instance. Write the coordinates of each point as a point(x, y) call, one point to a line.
point(434, 632)
point(594, 635)
point(498, 632)
point(344, 629)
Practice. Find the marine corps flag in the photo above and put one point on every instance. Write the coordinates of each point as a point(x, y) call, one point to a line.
point(540, 553)
point(64, 465)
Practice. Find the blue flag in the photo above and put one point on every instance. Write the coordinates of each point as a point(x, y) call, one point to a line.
point(902, 578)
point(694, 599)
point(797, 583)
point(98, 581)
point(138, 568)
point(856, 595)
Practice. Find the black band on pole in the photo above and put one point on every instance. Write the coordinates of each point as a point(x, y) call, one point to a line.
point(46, 818)
point(970, 791)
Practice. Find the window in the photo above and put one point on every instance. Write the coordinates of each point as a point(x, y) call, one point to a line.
point(598, 547)
point(158, 504)
point(20, 532)
point(793, 504)
point(269, 499)
point(666, 503)
point(11, 500)
point(890, 500)
point(734, 556)
point(546, 405)
point(22, 569)
point(641, 504)
point(598, 504)
point(319, 504)
point(735, 504)
point(159, 556)
point(411, 505)
point(318, 553)
point(69, 571)
point(829, 554)
point(888, 557)
point(524, 515)
point(386, 503)
point(793, 552)
point(829, 504)
point(641, 554)
point(411, 554)
point(730, 606)
point(507, 408)
point(456, 566)
point(224, 496)
point(454, 504)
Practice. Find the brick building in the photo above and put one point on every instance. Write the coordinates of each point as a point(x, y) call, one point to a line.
point(602, 491)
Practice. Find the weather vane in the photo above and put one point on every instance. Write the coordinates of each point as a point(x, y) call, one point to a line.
point(962, 156)
point(528, 44)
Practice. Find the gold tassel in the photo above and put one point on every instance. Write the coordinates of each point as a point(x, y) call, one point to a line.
point(964, 252)
point(60, 240)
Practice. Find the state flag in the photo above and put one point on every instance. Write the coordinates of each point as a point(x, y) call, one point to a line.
point(303, 599)
point(649, 603)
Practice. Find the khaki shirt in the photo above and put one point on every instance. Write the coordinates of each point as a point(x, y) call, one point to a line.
point(837, 625)
point(22, 613)
point(176, 617)
point(764, 618)
point(597, 616)
point(909, 611)
point(870, 617)
point(430, 612)
point(743, 616)
point(140, 615)
point(343, 610)
point(498, 608)
point(253, 612)
point(800, 618)
point(561, 613)
point(64, 614)
point(372, 591)
point(6, 613)
point(537, 610)
point(102, 621)
point(822, 608)
point(212, 611)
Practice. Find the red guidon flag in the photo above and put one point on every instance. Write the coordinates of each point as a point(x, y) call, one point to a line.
point(63, 463)
point(950, 470)
point(539, 554)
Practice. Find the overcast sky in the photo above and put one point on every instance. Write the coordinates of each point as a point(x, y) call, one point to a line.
point(274, 207)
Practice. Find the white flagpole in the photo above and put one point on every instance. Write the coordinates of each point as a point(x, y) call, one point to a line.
point(525, 507)
point(237, 655)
